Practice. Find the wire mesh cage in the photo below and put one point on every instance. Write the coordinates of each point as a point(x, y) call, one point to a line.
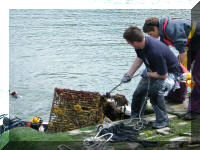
point(74, 109)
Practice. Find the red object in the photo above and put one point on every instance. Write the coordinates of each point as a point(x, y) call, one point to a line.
point(28, 124)
point(167, 39)
point(184, 69)
point(13, 93)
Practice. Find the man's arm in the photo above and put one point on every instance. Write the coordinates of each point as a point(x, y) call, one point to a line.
point(156, 75)
point(136, 64)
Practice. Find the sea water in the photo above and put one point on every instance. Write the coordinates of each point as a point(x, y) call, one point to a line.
point(74, 49)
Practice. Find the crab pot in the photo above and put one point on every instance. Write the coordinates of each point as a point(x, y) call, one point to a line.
point(74, 109)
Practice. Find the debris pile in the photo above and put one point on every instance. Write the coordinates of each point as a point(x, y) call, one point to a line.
point(112, 106)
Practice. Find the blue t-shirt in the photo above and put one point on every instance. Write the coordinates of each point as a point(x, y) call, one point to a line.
point(157, 56)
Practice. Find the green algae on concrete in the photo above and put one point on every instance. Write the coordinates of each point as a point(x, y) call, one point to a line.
point(28, 138)
point(4, 139)
point(24, 138)
point(29, 134)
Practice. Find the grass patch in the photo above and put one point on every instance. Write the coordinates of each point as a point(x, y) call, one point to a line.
point(148, 133)
point(4, 139)
point(29, 134)
point(180, 129)
point(175, 130)
point(39, 140)
point(88, 128)
point(24, 138)
point(195, 129)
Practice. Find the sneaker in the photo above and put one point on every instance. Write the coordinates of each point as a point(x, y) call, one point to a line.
point(157, 125)
point(191, 115)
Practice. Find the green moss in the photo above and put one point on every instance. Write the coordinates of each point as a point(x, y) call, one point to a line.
point(51, 141)
point(4, 139)
point(28, 134)
point(88, 128)
point(148, 133)
point(195, 128)
point(24, 138)
point(177, 129)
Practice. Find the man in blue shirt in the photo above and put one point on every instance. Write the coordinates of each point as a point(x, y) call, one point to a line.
point(162, 69)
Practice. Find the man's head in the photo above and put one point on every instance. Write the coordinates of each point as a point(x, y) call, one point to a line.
point(151, 27)
point(135, 37)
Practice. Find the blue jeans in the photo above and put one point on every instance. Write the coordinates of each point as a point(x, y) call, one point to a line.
point(157, 89)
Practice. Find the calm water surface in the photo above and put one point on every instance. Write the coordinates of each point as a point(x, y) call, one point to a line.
point(75, 49)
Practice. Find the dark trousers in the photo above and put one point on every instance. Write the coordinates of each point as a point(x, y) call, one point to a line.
point(194, 51)
point(178, 95)
point(194, 100)
point(155, 93)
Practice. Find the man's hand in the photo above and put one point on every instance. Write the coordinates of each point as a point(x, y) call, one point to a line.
point(145, 73)
point(126, 78)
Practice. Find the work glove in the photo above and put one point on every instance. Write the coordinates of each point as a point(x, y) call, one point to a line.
point(144, 73)
point(126, 78)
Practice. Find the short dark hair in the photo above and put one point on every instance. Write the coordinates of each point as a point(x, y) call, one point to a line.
point(133, 34)
point(150, 23)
